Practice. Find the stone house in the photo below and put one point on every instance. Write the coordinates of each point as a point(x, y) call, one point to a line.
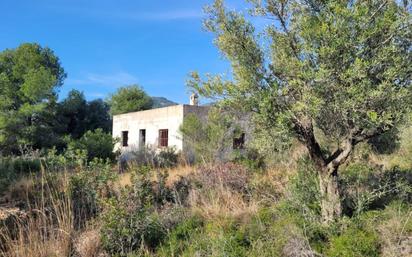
point(155, 128)
point(159, 128)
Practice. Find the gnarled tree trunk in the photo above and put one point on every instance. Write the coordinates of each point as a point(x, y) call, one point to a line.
point(331, 207)
point(327, 167)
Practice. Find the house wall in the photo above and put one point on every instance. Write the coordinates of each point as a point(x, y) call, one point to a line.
point(151, 120)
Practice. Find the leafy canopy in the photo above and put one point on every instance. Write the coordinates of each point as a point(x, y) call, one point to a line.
point(76, 115)
point(129, 99)
point(29, 78)
point(342, 67)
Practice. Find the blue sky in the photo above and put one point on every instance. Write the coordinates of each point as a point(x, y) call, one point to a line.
point(106, 44)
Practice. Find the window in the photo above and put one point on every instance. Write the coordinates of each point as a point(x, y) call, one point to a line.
point(163, 137)
point(142, 138)
point(239, 142)
point(125, 138)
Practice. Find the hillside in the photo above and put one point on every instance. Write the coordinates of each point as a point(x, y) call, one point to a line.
point(159, 102)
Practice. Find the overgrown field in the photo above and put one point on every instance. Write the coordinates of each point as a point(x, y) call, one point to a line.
point(62, 206)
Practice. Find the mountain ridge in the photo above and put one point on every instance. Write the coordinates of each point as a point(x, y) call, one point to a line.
point(160, 101)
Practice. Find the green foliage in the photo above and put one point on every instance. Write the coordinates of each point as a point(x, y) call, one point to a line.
point(318, 57)
point(129, 99)
point(179, 239)
point(97, 144)
point(29, 78)
point(401, 157)
point(167, 158)
point(365, 187)
point(76, 115)
point(354, 242)
point(124, 231)
point(72, 113)
point(303, 189)
point(88, 187)
point(215, 238)
point(208, 139)
point(339, 67)
point(11, 168)
point(128, 221)
point(250, 158)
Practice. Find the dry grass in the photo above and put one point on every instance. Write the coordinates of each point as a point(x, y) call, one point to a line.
point(46, 229)
point(88, 244)
point(221, 202)
point(397, 241)
point(216, 198)
point(174, 175)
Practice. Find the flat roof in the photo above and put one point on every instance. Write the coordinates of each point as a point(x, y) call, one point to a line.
point(166, 107)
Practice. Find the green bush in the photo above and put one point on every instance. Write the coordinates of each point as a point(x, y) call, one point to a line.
point(207, 140)
point(179, 239)
point(367, 188)
point(148, 156)
point(167, 158)
point(303, 193)
point(97, 144)
point(354, 242)
point(88, 187)
point(129, 221)
point(11, 168)
point(70, 159)
point(124, 230)
point(249, 158)
point(217, 238)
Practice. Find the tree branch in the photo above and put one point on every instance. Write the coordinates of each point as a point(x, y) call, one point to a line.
point(305, 133)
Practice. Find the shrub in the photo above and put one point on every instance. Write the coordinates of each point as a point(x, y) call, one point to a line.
point(129, 221)
point(97, 143)
point(303, 190)
point(230, 175)
point(11, 168)
point(124, 230)
point(145, 156)
point(354, 242)
point(209, 139)
point(179, 239)
point(250, 159)
point(70, 159)
point(88, 187)
point(148, 156)
point(167, 158)
point(365, 187)
point(215, 238)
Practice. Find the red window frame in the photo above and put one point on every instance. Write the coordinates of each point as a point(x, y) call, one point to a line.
point(163, 137)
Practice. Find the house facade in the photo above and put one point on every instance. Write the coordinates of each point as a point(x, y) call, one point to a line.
point(156, 128)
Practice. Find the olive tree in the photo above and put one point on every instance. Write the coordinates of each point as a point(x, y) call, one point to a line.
point(336, 68)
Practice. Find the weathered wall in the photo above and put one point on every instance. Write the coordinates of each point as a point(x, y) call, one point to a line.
point(152, 120)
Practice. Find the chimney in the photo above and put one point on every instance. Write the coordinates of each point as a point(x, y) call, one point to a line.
point(194, 99)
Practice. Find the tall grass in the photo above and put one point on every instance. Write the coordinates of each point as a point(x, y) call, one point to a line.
point(46, 229)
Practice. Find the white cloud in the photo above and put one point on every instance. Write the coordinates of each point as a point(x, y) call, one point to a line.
point(107, 80)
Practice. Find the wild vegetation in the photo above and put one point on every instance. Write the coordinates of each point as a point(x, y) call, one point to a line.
point(324, 89)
